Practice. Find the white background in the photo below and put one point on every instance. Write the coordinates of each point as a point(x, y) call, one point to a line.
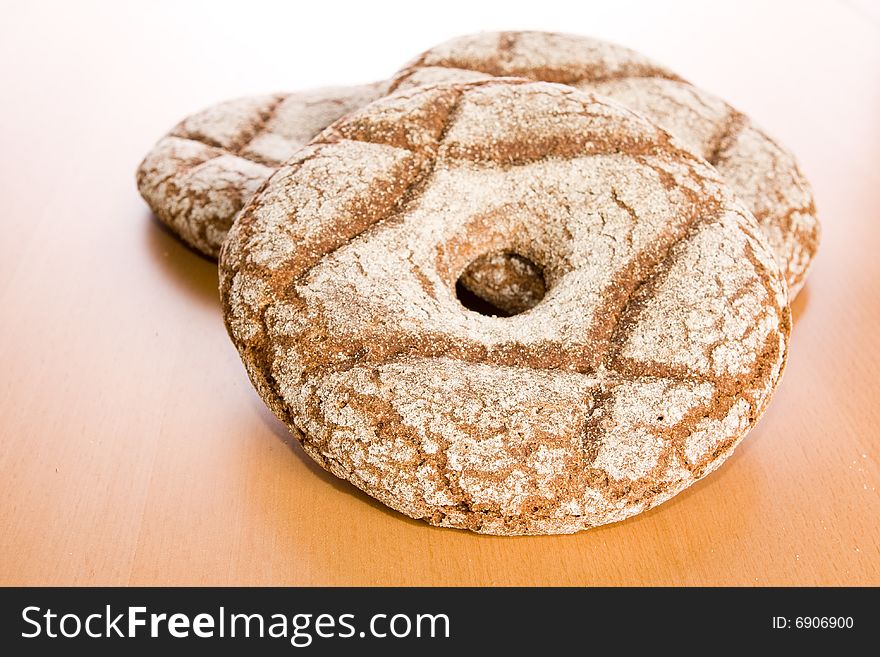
point(178, 57)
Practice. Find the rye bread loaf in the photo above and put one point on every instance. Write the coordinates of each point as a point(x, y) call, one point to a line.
point(197, 177)
point(661, 335)
point(759, 170)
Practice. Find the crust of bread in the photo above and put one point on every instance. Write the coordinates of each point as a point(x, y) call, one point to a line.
point(761, 172)
point(198, 176)
point(660, 339)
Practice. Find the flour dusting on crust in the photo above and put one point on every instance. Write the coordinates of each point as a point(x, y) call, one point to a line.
point(203, 172)
point(763, 174)
point(661, 336)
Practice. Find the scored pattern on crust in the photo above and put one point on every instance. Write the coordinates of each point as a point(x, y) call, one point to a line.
point(762, 173)
point(197, 178)
point(201, 174)
point(662, 334)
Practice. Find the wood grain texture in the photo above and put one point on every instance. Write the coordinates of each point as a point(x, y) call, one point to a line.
point(133, 450)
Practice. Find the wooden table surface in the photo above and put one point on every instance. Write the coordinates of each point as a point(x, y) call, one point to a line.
point(132, 447)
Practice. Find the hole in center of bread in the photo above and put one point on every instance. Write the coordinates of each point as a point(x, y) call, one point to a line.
point(501, 284)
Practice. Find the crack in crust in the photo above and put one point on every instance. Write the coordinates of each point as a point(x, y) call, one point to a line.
point(662, 334)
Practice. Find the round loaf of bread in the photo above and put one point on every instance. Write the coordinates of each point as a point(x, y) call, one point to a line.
point(197, 177)
point(763, 174)
point(660, 336)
